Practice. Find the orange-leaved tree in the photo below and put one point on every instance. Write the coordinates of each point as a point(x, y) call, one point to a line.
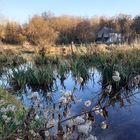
point(39, 32)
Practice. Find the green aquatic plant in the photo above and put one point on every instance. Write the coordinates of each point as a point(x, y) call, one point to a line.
point(41, 77)
point(18, 78)
point(62, 72)
point(47, 69)
point(11, 60)
point(45, 60)
point(79, 71)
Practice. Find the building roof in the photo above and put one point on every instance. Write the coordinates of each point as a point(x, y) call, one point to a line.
point(105, 31)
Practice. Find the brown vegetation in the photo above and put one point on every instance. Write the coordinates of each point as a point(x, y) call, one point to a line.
point(48, 29)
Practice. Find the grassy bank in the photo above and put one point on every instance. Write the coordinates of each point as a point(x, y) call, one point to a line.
point(65, 49)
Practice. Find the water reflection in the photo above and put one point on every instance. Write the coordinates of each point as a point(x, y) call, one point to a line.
point(122, 107)
point(118, 108)
point(86, 91)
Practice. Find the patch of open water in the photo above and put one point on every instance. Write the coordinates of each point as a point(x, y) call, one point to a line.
point(124, 122)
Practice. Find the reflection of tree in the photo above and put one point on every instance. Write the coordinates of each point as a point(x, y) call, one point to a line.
point(121, 95)
point(58, 122)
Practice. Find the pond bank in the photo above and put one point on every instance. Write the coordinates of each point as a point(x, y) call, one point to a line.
point(97, 91)
point(65, 49)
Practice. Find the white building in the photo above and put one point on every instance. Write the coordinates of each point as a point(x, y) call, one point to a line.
point(108, 36)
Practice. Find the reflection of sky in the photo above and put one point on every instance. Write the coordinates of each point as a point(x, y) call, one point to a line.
point(124, 123)
point(3, 81)
point(90, 90)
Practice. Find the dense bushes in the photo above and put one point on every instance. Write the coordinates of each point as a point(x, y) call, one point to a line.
point(49, 29)
point(39, 32)
point(14, 34)
point(1, 32)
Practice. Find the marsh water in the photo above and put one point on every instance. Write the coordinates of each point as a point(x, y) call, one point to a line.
point(123, 121)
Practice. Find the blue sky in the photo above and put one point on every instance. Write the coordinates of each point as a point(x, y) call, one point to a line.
point(22, 10)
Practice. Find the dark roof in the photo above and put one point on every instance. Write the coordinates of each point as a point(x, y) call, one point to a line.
point(105, 31)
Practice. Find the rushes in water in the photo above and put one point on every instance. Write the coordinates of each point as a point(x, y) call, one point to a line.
point(42, 77)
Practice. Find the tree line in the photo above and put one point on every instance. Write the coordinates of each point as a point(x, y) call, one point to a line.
point(49, 29)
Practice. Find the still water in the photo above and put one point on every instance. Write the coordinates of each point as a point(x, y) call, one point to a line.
point(123, 121)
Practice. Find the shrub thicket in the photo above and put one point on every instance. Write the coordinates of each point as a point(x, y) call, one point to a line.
point(49, 29)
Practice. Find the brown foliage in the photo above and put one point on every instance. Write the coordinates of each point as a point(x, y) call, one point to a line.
point(14, 34)
point(1, 32)
point(65, 25)
point(48, 29)
point(38, 31)
point(84, 32)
